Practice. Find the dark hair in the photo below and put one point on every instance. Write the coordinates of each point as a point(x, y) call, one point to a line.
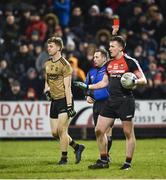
point(120, 40)
point(103, 51)
point(57, 40)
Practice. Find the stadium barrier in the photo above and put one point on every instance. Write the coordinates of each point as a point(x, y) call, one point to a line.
point(30, 119)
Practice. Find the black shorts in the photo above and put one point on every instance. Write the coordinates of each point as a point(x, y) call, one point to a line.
point(123, 108)
point(58, 106)
point(97, 107)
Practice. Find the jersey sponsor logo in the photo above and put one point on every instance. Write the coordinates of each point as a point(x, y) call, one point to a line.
point(118, 71)
point(52, 76)
point(115, 66)
point(118, 67)
point(121, 66)
point(116, 75)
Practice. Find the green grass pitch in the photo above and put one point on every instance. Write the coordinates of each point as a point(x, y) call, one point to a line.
point(37, 159)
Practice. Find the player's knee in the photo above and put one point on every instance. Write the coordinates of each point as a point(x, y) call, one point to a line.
point(55, 134)
point(62, 130)
point(98, 132)
point(127, 133)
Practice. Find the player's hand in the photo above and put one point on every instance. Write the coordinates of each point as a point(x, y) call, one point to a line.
point(80, 85)
point(70, 111)
point(90, 100)
point(48, 96)
point(115, 29)
point(116, 25)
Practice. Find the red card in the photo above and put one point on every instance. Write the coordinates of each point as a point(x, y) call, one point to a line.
point(116, 22)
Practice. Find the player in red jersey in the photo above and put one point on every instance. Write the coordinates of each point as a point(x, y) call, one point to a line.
point(121, 103)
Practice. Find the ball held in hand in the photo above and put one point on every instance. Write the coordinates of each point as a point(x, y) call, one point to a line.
point(128, 80)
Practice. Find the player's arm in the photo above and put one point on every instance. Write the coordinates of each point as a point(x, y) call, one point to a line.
point(103, 83)
point(141, 79)
point(70, 106)
point(47, 88)
point(68, 93)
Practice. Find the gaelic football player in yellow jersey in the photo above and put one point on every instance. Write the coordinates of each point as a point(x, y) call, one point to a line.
point(58, 90)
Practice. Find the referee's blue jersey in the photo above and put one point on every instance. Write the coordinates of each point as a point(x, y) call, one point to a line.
point(94, 76)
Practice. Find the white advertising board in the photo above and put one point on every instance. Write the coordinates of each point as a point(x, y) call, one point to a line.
point(31, 119)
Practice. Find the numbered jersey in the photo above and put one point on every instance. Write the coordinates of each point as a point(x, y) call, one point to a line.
point(56, 71)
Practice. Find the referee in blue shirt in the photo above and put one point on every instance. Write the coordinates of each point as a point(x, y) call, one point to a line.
point(99, 96)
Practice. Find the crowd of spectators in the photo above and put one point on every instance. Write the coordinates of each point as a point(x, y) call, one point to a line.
point(84, 25)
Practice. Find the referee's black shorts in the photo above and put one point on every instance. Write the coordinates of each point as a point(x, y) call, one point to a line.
point(97, 107)
point(58, 106)
point(121, 107)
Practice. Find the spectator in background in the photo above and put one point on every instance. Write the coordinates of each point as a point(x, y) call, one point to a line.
point(40, 60)
point(31, 95)
point(5, 69)
point(138, 54)
point(84, 63)
point(10, 34)
point(70, 47)
point(5, 75)
point(36, 27)
point(52, 22)
point(77, 75)
point(16, 92)
point(77, 22)
point(162, 59)
point(24, 22)
point(153, 74)
point(4, 12)
point(23, 60)
point(31, 80)
point(157, 88)
point(114, 4)
point(106, 19)
point(92, 22)
point(62, 9)
point(102, 38)
point(148, 43)
point(152, 11)
point(38, 48)
point(133, 23)
point(87, 61)
point(163, 43)
point(58, 31)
